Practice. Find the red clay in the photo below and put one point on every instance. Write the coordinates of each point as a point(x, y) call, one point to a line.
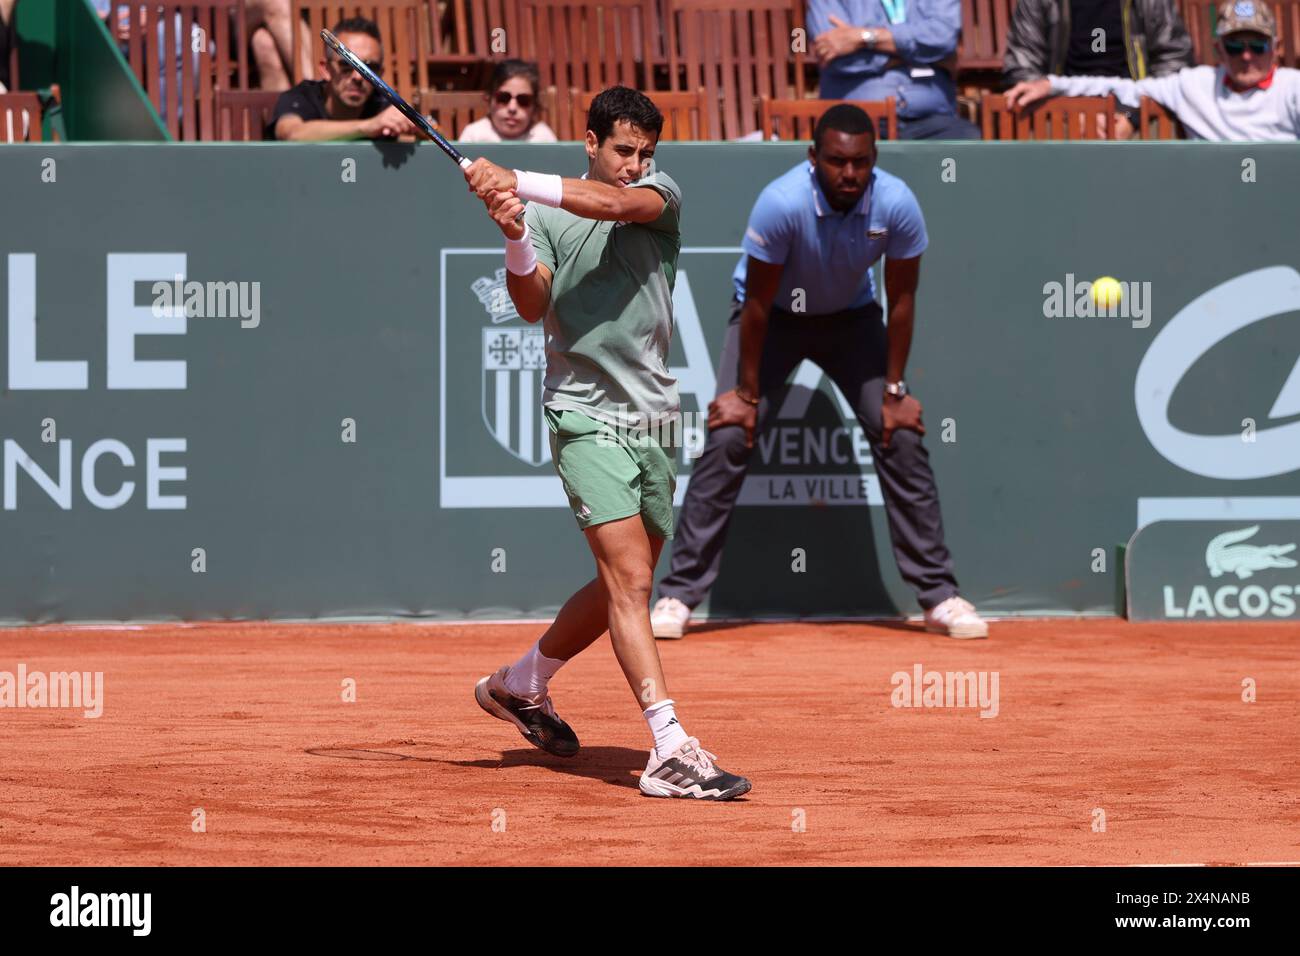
point(1145, 722)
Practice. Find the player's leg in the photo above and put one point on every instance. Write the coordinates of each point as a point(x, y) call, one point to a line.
point(580, 623)
point(626, 554)
point(625, 557)
point(853, 354)
point(519, 692)
point(601, 478)
point(716, 479)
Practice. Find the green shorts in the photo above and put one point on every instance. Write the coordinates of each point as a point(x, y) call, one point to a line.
point(610, 475)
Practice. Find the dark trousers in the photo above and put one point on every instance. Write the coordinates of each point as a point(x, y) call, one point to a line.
point(850, 347)
point(938, 126)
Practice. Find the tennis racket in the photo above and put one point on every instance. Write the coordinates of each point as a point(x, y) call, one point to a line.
point(405, 108)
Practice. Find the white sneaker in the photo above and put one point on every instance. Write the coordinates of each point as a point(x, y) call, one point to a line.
point(690, 772)
point(669, 618)
point(956, 617)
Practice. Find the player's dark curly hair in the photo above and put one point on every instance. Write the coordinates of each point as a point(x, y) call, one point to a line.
point(621, 103)
point(358, 25)
point(844, 118)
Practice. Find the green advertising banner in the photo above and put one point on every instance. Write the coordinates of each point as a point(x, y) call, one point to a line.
point(1214, 571)
point(247, 381)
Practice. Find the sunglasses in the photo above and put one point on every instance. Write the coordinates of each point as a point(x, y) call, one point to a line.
point(525, 100)
point(1238, 47)
point(375, 66)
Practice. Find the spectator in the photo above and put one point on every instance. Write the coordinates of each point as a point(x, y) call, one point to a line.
point(874, 49)
point(1129, 38)
point(272, 42)
point(6, 24)
point(342, 106)
point(514, 112)
point(1247, 97)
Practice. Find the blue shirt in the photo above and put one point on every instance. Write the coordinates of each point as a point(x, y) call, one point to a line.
point(927, 35)
point(825, 253)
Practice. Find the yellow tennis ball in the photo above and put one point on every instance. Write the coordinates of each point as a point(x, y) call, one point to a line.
point(1106, 292)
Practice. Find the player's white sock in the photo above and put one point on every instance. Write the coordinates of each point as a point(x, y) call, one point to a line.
point(529, 675)
point(668, 731)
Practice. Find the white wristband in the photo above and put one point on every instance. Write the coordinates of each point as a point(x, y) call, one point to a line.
point(521, 257)
point(542, 188)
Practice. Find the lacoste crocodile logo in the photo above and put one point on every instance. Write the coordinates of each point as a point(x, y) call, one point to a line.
point(1225, 554)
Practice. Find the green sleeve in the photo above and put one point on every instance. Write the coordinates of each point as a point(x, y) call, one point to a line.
point(670, 219)
point(535, 217)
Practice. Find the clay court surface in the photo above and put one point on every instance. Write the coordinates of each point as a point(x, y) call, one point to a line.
point(246, 721)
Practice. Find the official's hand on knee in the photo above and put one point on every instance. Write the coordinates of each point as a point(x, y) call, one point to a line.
point(730, 409)
point(896, 413)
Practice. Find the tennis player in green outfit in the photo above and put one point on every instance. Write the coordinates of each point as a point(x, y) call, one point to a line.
point(595, 259)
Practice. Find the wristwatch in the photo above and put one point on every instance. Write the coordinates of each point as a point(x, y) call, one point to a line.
point(896, 389)
point(869, 38)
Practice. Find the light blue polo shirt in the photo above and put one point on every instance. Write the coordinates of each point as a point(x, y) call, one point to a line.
point(826, 253)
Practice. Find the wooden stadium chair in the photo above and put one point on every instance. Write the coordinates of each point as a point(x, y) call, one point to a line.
point(403, 28)
point(1288, 32)
point(984, 27)
point(243, 115)
point(685, 114)
point(452, 110)
point(736, 54)
point(796, 119)
point(1156, 122)
point(590, 45)
point(178, 79)
point(451, 45)
point(488, 16)
point(1061, 117)
point(20, 118)
point(1199, 17)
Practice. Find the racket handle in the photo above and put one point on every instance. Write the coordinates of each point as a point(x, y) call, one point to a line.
point(464, 164)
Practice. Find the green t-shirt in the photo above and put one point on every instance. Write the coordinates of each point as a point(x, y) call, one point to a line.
point(611, 316)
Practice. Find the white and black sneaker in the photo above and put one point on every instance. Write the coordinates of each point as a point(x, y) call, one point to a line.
point(690, 772)
point(536, 718)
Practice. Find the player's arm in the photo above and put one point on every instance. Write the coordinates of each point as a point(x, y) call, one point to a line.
point(527, 280)
point(902, 276)
point(582, 197)
point(740, 405)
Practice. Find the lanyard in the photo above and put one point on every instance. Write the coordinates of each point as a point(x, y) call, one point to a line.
point(895, 10)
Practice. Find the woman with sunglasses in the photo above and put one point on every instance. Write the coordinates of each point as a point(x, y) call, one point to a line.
point(513, 109)
point(1246, 98)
